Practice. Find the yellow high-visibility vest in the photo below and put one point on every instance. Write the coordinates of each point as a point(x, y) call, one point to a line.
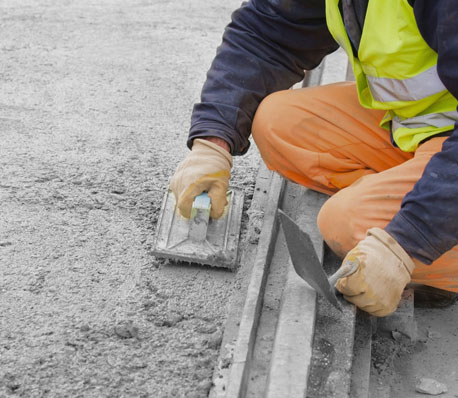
point(395, 70)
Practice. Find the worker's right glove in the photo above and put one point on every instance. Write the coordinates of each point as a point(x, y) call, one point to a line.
point(383, 270)
point(207, 168)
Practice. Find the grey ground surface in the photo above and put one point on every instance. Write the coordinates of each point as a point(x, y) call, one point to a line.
point(95, 103)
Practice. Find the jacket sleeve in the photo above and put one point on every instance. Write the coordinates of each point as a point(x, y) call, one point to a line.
point(266, 48)
point(427, 224)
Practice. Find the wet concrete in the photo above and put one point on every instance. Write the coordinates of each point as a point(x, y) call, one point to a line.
point(333, 341)
point(94, 111)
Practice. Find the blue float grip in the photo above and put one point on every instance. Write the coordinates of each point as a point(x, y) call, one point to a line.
point(202, 202)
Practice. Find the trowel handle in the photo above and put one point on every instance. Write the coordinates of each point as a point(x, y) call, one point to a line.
point(347, 268)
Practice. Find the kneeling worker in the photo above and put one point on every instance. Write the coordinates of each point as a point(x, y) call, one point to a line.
point(385, 148)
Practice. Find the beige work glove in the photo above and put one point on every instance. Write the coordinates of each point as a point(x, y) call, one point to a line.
point(383, 270)
point(207, 168)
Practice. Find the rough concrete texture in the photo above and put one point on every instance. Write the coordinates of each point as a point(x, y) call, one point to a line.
point(430, 387)
point(399, 364)
point(333, 341)
point(95, 103)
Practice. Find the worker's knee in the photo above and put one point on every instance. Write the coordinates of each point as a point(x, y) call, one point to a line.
point(340, 224)
point(269, 123)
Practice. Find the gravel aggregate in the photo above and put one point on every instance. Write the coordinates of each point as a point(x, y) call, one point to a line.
point(94, 111)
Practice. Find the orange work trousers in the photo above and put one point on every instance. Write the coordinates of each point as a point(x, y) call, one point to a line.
point(322, 138)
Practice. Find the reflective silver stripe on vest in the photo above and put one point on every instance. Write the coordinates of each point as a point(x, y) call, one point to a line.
point(436, 120)
point(412, 89)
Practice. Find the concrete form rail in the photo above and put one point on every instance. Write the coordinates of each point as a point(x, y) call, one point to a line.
point(287, 342)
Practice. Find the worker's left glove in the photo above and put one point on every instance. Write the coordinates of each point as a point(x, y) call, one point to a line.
point(383, 270)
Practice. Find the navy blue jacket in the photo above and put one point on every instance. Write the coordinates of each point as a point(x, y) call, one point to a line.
point(267, 47)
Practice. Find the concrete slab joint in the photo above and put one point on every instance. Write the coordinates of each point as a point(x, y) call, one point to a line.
point(270, 352)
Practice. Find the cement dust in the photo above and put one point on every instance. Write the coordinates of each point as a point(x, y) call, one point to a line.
point(398, 365)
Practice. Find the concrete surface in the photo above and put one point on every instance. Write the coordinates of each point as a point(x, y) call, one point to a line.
point(399, 364)
point(95, 103)
point(293, 343)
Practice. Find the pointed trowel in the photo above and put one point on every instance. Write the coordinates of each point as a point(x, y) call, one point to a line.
point(306, 263)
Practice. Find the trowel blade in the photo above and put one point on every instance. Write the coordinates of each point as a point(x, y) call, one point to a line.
point(304, 259)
